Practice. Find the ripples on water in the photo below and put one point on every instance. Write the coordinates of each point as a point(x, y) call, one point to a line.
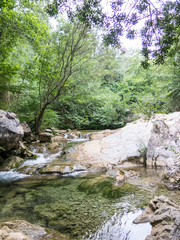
point(122, 228)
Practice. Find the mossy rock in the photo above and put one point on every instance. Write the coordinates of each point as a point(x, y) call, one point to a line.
point(117, 192)
point(60, 225)
point(105, 186)
point(96, 185)
point(51, 211)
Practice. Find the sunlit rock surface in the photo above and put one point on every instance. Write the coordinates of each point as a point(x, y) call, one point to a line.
point(121, 146)
point(155, 143)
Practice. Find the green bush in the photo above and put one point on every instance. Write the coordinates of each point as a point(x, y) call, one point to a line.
point(50, 119)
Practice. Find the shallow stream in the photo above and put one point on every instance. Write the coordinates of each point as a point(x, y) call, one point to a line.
point(84, 206)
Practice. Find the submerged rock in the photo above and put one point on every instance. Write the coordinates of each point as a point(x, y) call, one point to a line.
point(164, 216)
point(22, 230)
point(106, 186)
point(11, 131)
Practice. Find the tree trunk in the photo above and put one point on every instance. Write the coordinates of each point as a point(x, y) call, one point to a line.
point(38, 120)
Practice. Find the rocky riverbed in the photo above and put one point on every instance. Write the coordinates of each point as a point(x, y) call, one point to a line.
point(93, 186)
point(82, 206)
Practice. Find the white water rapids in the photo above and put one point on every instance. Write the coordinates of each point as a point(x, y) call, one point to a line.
point(41, 160)
point(10, 176)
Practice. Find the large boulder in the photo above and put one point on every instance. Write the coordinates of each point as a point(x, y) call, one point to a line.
point(11, 131)
point(164, 143)
point(163, 149)
point(122, 146)
point(164, 216)
point(155, 143)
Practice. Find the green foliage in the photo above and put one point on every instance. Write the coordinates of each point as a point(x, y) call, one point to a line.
point(157, 22)
point(150, 105)
point(18, 20)
point(50, 119)
point(114, 87)
point(174, 85)
point(1, 149)
point(68, 79)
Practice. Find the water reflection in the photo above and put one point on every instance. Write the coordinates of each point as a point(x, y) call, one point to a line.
point(122, 228)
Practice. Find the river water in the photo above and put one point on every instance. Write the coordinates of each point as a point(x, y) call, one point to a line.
point(82, 205)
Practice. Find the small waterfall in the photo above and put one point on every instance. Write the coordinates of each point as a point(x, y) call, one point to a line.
point(10, 176)
point(13, 175)
point(41, 159)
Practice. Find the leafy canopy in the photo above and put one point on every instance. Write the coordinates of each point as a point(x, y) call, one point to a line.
point(156, 22)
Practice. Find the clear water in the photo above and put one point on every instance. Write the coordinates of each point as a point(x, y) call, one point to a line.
point(81, 205)
point(121, 227)
point(57, 203)
point(60, 204)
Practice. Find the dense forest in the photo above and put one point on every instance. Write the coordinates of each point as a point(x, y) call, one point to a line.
point(62, 63)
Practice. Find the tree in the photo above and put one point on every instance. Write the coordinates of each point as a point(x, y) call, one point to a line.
point(157, 22)
point(18, 20)
point(61, 56)
point(174, 84)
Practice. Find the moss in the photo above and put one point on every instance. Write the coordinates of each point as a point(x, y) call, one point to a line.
point(121, 191)
point(96, 185)
point(105, 186)
point(34, 156)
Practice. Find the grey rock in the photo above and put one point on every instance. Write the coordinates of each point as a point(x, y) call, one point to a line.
point(45, 137)
point(155, 143)
point(164, 216)
point(11, 131)
point(28, 135)
point(48, 130)
point(22, 230)
point(11, 162)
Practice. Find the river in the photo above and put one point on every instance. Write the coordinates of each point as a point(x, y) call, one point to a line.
point(83, 205)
